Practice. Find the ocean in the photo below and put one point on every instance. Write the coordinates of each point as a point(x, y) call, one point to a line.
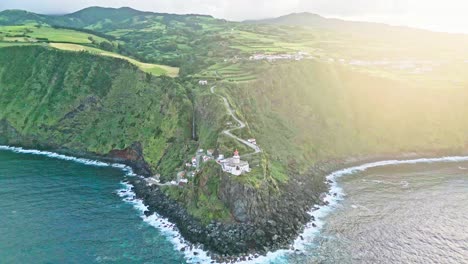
point(404, 213)
point(62, 211)
point(59, 209)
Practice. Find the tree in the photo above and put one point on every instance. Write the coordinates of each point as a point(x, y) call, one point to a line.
point(106, 45)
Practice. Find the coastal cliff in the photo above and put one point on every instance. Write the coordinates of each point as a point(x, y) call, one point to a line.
point(92, 105)
point(105, 108)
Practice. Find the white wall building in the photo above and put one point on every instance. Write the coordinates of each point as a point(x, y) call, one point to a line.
point(234, 165)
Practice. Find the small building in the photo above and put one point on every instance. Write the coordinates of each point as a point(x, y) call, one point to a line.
point(220, 157)
point(252, 141)
point(157, 177)
point(235, 165)
point(183, 182)
point(181, 175)
point(203, 82)
point(188, 165)
point(207, 158)
point(210, 152)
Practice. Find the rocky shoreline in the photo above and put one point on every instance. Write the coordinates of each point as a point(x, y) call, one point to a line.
point(240, 241)
point(225, 242)
point(230, 242)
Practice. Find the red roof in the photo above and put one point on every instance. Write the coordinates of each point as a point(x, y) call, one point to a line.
point(236, 153)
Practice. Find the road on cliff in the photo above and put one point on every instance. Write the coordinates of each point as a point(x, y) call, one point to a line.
point(241, 125)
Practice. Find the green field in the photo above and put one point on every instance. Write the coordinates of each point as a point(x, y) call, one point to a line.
point(72, 40)
point(34, 33)
point(146, 67)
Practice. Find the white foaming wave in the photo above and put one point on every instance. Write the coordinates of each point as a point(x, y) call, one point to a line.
point(127, 169)
point(192, 254)
point(55, 155)
point(333, 198)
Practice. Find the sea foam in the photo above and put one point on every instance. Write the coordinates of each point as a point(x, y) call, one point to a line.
point(57, 156)
point(336, 194)
point(194, 254)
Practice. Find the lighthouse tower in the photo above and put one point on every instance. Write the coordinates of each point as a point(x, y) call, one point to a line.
point(236, 157)
point(235, 165)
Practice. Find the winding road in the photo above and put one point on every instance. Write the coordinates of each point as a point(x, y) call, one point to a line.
point(241, 125)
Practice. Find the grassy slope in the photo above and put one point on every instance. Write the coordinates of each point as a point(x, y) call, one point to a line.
point(154, 69)
point(72, 40)
point(312, 111)
point(94, 104)
point(52, 34)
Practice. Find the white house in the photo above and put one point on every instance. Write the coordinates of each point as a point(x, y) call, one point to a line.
point(203, 82)
point(210, 152)
point(252, 140)
point(234, 165)
point(183, 182)
point(207, 158)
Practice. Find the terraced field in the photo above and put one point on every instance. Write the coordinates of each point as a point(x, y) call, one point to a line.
point(231, 72)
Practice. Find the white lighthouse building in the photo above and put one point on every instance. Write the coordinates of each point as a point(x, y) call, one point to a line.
point(235, 165)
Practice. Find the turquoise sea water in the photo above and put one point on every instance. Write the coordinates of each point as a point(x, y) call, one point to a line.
point(56, 211)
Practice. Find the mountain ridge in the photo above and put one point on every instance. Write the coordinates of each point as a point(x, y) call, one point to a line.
point(312, 20)
point(96, 12)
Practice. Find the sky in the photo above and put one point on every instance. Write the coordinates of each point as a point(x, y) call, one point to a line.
point(446, 15)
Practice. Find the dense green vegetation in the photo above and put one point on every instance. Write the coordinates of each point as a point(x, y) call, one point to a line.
point(74, 40)
point(154, 69)
point(201, 195)
point(311, 111)
point(94, 104)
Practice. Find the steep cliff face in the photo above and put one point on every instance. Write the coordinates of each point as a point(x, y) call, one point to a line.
point(285, 204)
point(92, 104)
point(247, 203)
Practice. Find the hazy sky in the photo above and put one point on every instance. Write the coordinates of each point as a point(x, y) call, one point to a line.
point(446, 15)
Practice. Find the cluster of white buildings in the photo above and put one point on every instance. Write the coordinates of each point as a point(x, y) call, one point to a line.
point(233, 165)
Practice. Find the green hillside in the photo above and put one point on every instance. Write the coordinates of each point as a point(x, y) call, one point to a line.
point(38, 33)
point(91, 104)
point(310, 111)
